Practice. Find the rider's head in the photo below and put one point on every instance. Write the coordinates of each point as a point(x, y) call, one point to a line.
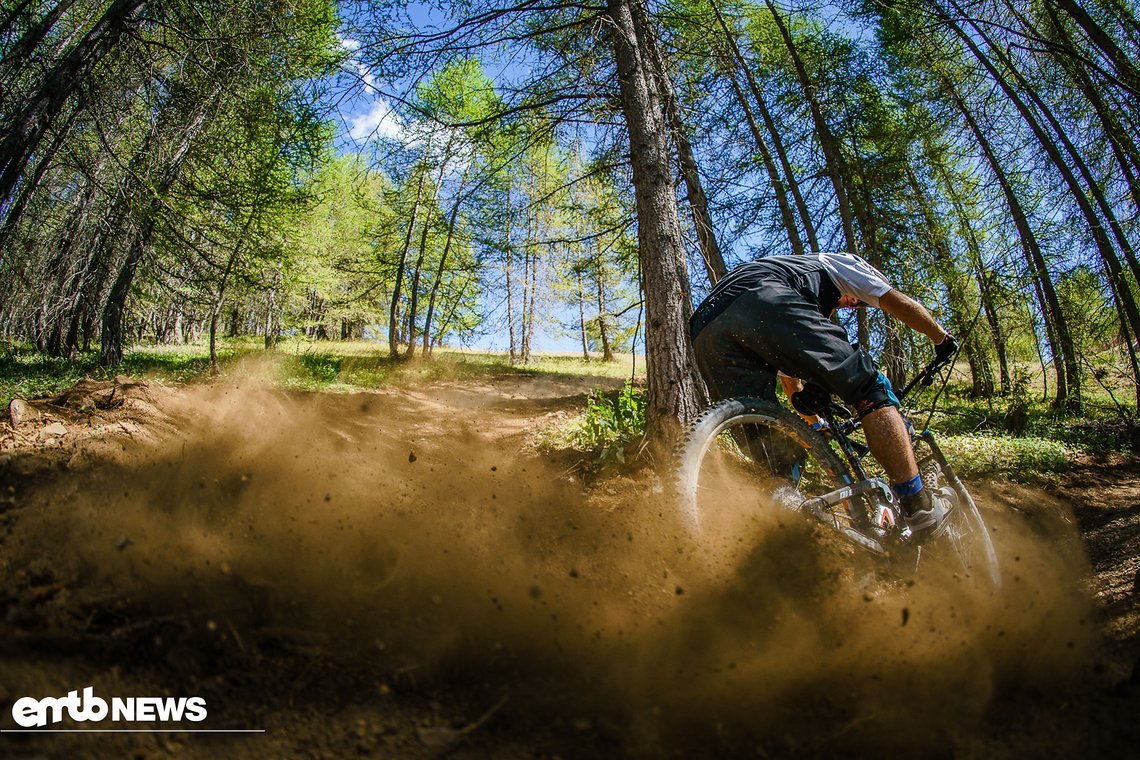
point(850, 302)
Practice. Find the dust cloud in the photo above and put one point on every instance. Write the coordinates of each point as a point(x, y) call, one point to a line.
point(409, 530)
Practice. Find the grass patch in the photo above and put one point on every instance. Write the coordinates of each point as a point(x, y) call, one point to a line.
point(975, 455)
point(1102, 427)
point(975, 433)
point(27, 373)
point(329, 366)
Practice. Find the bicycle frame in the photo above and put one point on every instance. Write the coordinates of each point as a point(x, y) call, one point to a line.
point(876, 490)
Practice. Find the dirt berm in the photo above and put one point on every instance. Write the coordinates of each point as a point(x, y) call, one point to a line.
point(399, 574)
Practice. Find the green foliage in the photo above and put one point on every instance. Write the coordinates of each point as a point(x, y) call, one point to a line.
point(27, 373)
point(989, 455)
point(612, 422)
point(1017, 404)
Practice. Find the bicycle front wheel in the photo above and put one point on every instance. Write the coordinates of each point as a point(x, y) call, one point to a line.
point(966, 542)
point(737, 462)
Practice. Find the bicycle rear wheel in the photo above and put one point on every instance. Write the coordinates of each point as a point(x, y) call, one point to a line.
point(736, 454)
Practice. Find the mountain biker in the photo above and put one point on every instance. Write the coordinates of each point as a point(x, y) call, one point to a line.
point(771, 318)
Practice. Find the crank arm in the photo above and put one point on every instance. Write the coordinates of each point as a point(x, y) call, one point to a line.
point(819, 508)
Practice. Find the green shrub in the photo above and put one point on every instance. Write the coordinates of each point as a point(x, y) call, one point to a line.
point(1017, 408)
point(612, 422)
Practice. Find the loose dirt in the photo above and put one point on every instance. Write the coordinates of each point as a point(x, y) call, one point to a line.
point(404, 574)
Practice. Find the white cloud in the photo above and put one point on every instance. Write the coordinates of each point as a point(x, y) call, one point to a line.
point(366, 77)
point(379, 121)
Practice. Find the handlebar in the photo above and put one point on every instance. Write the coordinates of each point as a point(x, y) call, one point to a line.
point(928, 373)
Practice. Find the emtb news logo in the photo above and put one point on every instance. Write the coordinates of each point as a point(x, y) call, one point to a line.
point(30, 712)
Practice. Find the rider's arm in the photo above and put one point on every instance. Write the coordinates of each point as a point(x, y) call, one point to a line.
point(912, 314)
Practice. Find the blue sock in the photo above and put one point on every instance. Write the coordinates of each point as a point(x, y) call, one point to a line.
point(909, 488)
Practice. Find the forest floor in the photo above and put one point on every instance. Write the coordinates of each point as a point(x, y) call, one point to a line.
point(411, 573)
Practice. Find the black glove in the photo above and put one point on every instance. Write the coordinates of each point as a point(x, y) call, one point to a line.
point(812, 400)
point(945, 350)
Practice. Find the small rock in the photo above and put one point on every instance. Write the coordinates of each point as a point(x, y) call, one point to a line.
point(19, 412)
point(123, 542)
point(53, 430)
point(411, 456)
point(438, 739)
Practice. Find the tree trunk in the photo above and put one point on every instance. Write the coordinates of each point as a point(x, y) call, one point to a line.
point(18, 56)
point(442, 264)
point(833, 157)
point(526, 316)
point(982, 384)
point(414, 291)
point(529, 308)
point(28, 126)
point(1123, 147)
point(1112, 263)
point(773, 133)
point(582, 315)
point(510, 286)
point(111, 352)
point(672, 392)
point(981, 276)
point(603, 324)
point(1056, 326)
point(698, 202)
point(1095, 228)
point(397, 286)
point(786, 217)
point(1127, 71)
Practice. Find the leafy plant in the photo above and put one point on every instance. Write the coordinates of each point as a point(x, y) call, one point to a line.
point(612, 422)
point(1017, 410)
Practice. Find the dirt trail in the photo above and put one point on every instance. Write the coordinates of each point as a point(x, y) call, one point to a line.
point(399, 574)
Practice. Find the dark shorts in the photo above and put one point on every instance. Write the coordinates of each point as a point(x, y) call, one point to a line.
point(779, 327)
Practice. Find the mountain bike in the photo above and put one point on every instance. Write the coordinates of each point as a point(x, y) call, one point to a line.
point(752, 454)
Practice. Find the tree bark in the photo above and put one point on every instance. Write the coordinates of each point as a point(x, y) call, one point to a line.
point(672, 391)
point(698, 202)
point(397, 286)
